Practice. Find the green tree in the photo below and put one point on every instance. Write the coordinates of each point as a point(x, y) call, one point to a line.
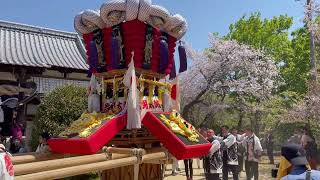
point(297, 71)
point(272, 36)
point(57, 110)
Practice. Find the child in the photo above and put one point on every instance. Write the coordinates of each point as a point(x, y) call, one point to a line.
point(43, 146)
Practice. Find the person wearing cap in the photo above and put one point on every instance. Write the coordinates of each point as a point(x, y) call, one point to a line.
point(295, 154)
point(6, 166)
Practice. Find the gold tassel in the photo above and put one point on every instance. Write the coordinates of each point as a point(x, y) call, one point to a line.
point(151, 92)
point(103, 90)
point(114, 88)
point(160, 94)
point(141, 85)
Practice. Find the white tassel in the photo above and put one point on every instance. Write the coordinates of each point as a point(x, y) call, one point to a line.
point(93, 98)
point(133, 121)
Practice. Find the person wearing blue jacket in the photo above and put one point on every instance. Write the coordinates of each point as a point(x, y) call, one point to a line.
point(295, 154)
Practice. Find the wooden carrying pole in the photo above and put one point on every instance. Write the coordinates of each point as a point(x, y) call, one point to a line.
point(151, 157)
point(28, 168)
point(87, 168)
point(32, 157)
point(77, 170)
point(129, 151)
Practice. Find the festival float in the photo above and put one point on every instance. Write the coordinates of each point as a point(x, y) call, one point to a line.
point(133, 97)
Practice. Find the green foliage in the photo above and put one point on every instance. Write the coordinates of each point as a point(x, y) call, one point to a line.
point(58, 109)
point(296, 71)
point(272, 36)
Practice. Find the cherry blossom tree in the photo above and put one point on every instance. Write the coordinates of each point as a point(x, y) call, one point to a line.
point(307, 110)
point(230, 69)
point(312, 9)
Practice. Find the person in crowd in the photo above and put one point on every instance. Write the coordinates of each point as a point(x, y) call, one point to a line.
point(203, 132)
point(253, 152)
point(18, 146)
point(43, 146)
point(299, 164)
point(6, 166)
point(175, 167)
point(240, 136)
point(296, 137)
point(22, 147)
point(284, 168)
point(209, 135)
point(213, 161)
point(309, 144)
point(269, 145)
point(188, 168)
point(17, 133)
point(229, 154)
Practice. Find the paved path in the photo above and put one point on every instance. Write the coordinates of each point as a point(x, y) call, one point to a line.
point(264, 170)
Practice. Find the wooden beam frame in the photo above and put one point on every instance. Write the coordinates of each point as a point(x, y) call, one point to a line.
point(72, 166)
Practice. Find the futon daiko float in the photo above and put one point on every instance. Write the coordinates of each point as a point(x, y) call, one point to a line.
point(130, 45)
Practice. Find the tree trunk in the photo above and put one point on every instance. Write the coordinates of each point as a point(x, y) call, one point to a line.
point(206, 120)
point(240, 122)
point(257, 117)
point(312, 47)
point(187, 108)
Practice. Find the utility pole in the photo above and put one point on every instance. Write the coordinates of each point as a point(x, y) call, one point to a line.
point(312, 45)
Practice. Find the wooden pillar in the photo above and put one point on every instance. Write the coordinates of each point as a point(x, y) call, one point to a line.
point(136, 171)
point(29, 127)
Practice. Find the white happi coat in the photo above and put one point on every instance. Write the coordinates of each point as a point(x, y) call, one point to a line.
point(6, 167)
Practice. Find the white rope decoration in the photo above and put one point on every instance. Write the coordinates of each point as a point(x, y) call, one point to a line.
point(113, 12)
point(177, 26)
point(132, 10)
point(159, 16)
point(79, 26)
point(144, 10)
point(92, 17)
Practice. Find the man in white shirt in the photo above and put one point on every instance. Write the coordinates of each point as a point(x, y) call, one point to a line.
point(229, 154)
point(253, 152)
point(213, 161)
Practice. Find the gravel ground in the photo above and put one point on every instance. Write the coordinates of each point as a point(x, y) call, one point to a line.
point(264, 170)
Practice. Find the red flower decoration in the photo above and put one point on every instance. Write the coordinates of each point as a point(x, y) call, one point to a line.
point(9, 165)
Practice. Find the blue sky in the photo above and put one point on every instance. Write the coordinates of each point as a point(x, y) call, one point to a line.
point(203, 16)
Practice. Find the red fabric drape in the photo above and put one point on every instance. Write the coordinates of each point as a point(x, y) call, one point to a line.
point(107, 36)
point(155, 59)
point(87, 38)
point(134, 40)
point(172, 45)
point(91, 144)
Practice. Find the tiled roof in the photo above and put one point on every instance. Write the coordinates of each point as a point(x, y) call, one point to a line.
point(27, 45)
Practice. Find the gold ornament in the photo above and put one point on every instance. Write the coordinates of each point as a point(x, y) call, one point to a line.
point(84, 126)
point(178, 125)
